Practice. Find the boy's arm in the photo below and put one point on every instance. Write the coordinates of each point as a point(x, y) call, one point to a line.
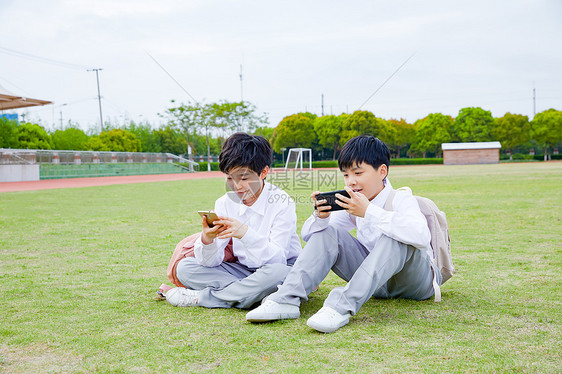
point(405, 223)
point(338, 218)
point(211, 255)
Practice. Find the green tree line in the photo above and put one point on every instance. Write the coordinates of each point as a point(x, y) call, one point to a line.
point(424, 137)
point(205, 126)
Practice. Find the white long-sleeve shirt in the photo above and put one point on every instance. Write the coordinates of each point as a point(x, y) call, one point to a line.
point(405, 223)
point(272, 230)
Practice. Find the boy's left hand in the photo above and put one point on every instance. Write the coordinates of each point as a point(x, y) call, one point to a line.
point(234, 228)
point(356, 204)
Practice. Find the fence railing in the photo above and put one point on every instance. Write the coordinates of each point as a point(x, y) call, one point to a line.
point(39, 156)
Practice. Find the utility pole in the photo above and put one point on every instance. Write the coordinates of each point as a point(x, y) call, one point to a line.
point(61, 126)
point(99, 95)
point(241, 85)
point(322, 105)
point(534, 101)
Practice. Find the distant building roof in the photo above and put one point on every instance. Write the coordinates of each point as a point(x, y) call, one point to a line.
point(475, 145)
point(9, 100)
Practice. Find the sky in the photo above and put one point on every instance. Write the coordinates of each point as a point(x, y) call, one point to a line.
point(490, 54)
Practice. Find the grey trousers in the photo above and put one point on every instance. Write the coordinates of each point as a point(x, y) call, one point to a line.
point(391, 270)
point(231, 284)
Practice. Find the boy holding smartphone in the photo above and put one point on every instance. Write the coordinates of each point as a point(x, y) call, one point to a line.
point(258, 217)
point(390, 258)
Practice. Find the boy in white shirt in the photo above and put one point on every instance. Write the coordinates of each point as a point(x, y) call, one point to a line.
point(258, 217)
point(390, 258)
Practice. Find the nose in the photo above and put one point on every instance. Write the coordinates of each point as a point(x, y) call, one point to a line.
point(350, 181)
point(240, 186)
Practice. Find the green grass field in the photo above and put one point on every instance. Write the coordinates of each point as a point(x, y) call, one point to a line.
point(79, 269)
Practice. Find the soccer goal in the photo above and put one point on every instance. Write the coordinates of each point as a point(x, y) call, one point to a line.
point(297, 156)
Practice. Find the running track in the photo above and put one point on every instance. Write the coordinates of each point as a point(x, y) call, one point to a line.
point(102, 181)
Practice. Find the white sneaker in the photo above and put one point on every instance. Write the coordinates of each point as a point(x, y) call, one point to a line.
point(272, 311)
point(180, 296)
point(328, 320)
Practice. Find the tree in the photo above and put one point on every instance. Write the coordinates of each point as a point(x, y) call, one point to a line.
point(265, 131)
point(241, 116)
point(512, 130)
point(170, 141)
point(364, 122)
point(116, 140)
point(147, 136)
point(33, 136)
point(473, 125)
point(431, 132)
point(221, 117)
point(546, 128)
point(72, 139)
point(328, 130)
point(185, 117)
point(8, 133)
point(403, 136)
point(296, 130)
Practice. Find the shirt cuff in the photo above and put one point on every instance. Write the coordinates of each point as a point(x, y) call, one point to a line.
point(251, 238)
point(205, 254)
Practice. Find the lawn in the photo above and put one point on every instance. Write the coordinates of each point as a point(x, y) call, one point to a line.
point(79, 269)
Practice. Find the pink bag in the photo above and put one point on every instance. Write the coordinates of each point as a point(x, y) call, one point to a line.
point(185, 249)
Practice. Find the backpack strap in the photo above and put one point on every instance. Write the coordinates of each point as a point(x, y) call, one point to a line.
point(434, 269)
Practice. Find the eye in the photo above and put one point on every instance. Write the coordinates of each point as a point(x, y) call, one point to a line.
point(345, 175)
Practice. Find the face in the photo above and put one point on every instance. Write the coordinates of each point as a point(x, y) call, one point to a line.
point(246, 183)
point(365, 179)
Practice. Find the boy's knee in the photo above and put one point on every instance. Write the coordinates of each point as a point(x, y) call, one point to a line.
point(330, 233)
point(186, 268)
point(276, 271)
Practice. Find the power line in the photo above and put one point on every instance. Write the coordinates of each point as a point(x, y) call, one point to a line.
point(44, 60)
point(174, 79)
point(387, 79)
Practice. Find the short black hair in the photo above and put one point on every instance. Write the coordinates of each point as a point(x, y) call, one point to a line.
point(364, 148)
point(243, 150)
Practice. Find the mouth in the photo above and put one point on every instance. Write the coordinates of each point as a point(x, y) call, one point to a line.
point(357, 190)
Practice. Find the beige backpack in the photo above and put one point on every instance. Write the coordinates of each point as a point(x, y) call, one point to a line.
point(439, 229)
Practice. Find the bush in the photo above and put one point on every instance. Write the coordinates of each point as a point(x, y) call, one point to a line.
point(416, 161)
point(324, 164)
point(521, 156)
point(541, 157)
point(393, 161)
point(203, 166)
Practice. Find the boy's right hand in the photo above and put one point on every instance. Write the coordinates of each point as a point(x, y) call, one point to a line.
point(210, 233)
point(322, 211)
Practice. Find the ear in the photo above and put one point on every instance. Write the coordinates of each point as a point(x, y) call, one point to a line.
point(264, 172)
point(383, 171)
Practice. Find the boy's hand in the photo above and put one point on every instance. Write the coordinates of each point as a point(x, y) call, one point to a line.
point(233, 228)
point(322, 211)
point(356, 204)
point(210, 233)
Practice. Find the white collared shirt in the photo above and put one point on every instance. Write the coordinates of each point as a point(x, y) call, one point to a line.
point(405, 223)
point(272, 230)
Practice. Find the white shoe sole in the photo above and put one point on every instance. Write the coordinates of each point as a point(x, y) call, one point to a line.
point(271, 317)
point(325, 329)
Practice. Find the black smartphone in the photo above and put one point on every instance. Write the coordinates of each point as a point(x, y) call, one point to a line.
point(330, 198)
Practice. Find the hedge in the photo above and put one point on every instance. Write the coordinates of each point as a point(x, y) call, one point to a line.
point(393, 161)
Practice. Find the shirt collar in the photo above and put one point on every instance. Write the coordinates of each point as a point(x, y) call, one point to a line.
point(380, 199)
point(260, 204)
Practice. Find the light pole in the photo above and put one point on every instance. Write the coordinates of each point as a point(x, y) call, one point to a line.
point(283, 155)
point(99, 95)
point(61, 126)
